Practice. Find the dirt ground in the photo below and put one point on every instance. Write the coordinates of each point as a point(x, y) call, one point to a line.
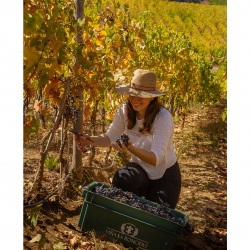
point(201, 148)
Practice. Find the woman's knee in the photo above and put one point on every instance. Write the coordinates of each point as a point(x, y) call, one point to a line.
point(129, 177)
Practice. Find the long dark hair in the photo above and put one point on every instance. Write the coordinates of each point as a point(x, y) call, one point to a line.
point(153, 109)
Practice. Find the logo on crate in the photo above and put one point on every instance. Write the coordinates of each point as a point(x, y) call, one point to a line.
point(129, 229)
point(127, 234)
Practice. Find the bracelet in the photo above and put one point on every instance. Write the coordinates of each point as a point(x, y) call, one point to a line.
point(130, 148)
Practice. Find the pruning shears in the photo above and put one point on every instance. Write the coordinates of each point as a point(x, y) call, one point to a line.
point(78, 136)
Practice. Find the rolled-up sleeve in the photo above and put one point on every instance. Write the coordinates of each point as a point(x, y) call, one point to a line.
point(162, 138)
point(117, 126)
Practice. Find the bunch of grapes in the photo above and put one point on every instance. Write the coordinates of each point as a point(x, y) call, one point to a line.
point(124, 138)
point(54, 107)
point(161, 210)
point(73, 109)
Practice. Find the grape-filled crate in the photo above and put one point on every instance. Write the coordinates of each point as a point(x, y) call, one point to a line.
point(134, 221)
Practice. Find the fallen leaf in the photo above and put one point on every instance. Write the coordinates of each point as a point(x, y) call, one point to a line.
point(103, 237)
point(67, 234)
point(75, 241)
point(59, 246)
point(86, 244)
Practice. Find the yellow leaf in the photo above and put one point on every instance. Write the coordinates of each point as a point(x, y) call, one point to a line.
point(53, 84)
point(85, 35)
point(110, 115)
point(31, 54)
point(99, 42)
point(117, 44)
point(125, 62)
point(116, 37)
point(141, 57)
point(103, 33)
point(128, 57)
point(86, 111)
point(55, 97)
point(133, 68)
point(97, 27)
point(76, 67)
point(52, 69)
point(88, 45)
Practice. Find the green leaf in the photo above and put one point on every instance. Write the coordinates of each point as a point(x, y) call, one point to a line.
point(110, 33)
point(43, 27)
point(43, 80)
point(35, 41)
point(36, 209)
point(30, 20)
point(33, 127)
point(29, 69)
point(108, 74)
point(81, 22)
point(55, 11)
point(102, 89)
point(62, 54)
point(59, 33)
point(59, 246)
point(36, 238)
point(39, 14)
point(42, 241)
point(224, 114)
point(40, 238)
point(33, 219)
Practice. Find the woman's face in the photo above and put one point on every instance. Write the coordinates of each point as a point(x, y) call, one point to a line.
point(140, 104)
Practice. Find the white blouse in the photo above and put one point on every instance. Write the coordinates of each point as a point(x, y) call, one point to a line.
point(160, 141)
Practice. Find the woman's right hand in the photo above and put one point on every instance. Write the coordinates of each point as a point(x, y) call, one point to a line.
point(84, 142)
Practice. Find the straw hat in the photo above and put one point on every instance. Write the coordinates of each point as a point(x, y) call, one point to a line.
point(142, 84)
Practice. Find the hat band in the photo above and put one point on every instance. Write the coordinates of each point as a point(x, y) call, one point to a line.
point(132, 85)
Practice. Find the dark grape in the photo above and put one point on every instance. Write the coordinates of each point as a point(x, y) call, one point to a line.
point(161, 210)
point(125, 140)
point(73, 109)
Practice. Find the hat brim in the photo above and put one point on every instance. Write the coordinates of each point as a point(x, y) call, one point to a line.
point(125, 89)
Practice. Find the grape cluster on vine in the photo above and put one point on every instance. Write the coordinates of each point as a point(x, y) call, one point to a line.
point(129, 198)
point(73, 108)
point(125, 140)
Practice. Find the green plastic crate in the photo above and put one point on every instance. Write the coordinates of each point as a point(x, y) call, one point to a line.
point(120, 222)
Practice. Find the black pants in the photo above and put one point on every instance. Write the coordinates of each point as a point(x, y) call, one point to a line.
point(132, 178)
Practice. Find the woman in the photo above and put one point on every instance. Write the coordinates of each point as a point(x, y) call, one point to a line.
point(153, 171)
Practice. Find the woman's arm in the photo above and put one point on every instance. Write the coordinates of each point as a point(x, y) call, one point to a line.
point(99, 141)
point(115, 130)
point(145, 155)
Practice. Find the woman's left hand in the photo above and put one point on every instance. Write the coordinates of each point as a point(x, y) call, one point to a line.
point(123, 148)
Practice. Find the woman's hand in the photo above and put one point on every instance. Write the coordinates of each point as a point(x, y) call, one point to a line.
point(84, 142)
point(123, 148)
